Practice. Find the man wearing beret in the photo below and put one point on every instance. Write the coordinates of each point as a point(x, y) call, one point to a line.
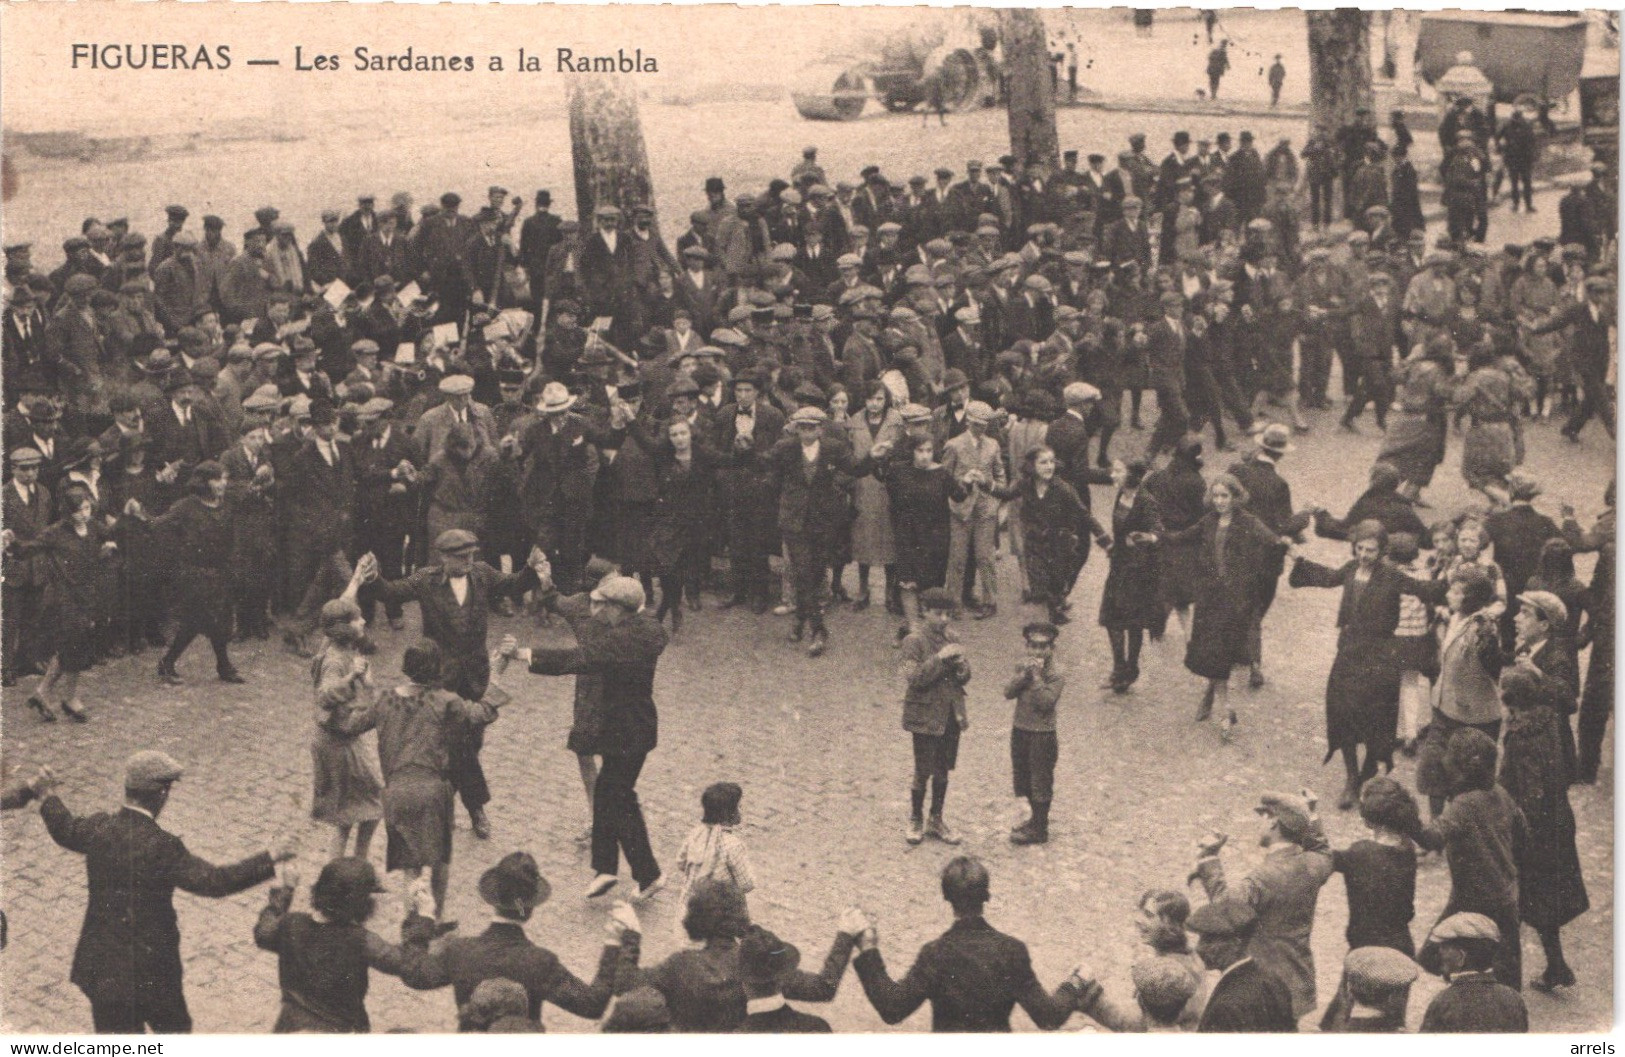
point(1475, 1001)
point(454, 602)
point(128, 959)
point(1248, 997)
point(1282, 892)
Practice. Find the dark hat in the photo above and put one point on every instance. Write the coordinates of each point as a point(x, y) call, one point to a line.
point(177, 212)
point(451, 200)
point(344, 877)
point(515, 884)
point(1182, 139)
point(323, 412)
point(953, 378)
point(267, 215)
point(1223, 918)
point(567, 306)
point(544, 198)
point(175, 379)
point(207, 470)
point(511, 377)
point(936, 598)
point(213, 223)
point(79, 451)
point(764, 958)
point(487, 215)
point(42, 410)
point(714, 185)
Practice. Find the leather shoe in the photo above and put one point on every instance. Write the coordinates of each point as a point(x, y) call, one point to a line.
point(601, 884)
point(169, 675)
point(231, 675)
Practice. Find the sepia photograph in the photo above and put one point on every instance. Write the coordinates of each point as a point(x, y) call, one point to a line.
point(709, 519)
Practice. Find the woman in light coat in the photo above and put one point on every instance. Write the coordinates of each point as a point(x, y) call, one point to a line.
point(872, 542)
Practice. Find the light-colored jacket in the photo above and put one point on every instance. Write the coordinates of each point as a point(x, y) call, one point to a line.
point(965, 453)
point(1282, 892)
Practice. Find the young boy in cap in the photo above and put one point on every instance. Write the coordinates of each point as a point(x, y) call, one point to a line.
point(1475, 1001)
point(1035, 688)
point(935, 670)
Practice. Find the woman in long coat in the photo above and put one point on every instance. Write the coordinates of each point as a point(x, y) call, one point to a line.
point(1535, 771)
point(1234, 546)
point(1129, 603)
point(72, 554)
point(1362, 691)
point(1181, 496)
point(686, 477)
point(920, 489)
point(1414, 442)
point(872, 542)
point(1052, 519)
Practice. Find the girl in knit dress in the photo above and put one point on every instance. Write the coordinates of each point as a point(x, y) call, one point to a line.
point(347, 786)
point(713, 849)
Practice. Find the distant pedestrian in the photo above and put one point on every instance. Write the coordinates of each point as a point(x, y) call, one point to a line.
point(1218, 63)
point(1277, 78)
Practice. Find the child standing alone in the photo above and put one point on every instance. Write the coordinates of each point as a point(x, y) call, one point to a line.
point(713, 849)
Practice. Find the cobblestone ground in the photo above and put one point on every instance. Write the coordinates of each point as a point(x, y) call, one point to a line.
point(818, 748)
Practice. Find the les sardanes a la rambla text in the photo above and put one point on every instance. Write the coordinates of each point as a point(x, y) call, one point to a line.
point(218, 57)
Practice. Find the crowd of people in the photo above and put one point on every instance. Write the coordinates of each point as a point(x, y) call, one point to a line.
point(469, 412)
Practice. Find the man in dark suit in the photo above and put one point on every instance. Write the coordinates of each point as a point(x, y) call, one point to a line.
point(1247, 997)
point(764, 960)
point(1068, 436)
point(320, 501)
point(1589, 351)
point(973, 975)
point(1127, 239)
point(1519, 532)
point(26, 513)
point(749, 422)
point(514, 888)
point(537, 237)
point(128, 960)
point(1166, 339)
point(1475, 1001)
point(325, 257)
point(360, 226)
point(1269, 500)
point(386, 252)
point(1373, 332)
point(180, 432)
point(387, 461)
point(22, 344)
point(606, 273)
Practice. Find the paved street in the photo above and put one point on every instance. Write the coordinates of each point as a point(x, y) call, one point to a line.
point(818, 749)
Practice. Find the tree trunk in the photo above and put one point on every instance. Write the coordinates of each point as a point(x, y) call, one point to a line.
point(606, 146)
point(1029, 90)
point(1339, 66)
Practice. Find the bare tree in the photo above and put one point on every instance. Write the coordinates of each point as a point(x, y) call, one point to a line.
point(1339, 66)
point(606, 146)
point(1028, 85)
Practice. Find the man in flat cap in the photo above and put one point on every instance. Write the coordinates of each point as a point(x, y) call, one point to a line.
point(387, 463)
point(1590, 352)
point(1475, 1001)
point(1248, 997)
point(1376, 989)
point(26, 512)
point(162, 243)
point(606, 274)
point(180, 289)
point(1282, 891)
point(73, 340)
point(440, 241)
point(318, 491)
point(245, 286)
point(128, 959)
